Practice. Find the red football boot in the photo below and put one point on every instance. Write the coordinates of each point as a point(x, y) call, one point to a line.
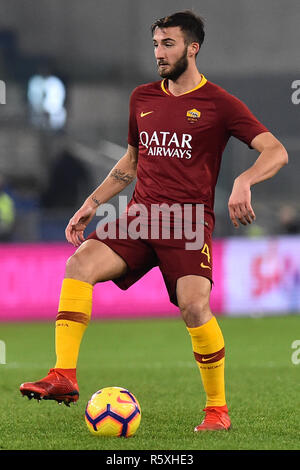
point(216, 419)
point(60, 385)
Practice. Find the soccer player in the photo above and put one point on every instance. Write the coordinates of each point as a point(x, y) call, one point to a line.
point(178, 129)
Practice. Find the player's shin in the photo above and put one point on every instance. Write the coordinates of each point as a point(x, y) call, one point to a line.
point(209, 352)
point(73, 317)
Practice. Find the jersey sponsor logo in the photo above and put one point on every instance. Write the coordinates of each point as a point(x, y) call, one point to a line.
point(146, 114)
point(193, 115)
point(167, 144)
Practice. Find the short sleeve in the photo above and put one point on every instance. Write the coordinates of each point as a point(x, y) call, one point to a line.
point(240, 122)
point(133, 134)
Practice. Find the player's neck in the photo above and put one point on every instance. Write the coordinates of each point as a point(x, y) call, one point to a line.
point(186, 82)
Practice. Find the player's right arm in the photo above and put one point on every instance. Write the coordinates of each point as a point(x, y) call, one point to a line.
point(122, 174)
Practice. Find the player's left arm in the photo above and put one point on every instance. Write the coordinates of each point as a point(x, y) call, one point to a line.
point(272, 157)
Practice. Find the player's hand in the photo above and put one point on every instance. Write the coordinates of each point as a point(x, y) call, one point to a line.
point(239, 204)
point(78, 223)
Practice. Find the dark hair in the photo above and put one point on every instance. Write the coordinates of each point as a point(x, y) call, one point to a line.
point(191, 25)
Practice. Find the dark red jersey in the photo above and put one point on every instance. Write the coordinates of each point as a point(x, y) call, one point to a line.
point(181, 140)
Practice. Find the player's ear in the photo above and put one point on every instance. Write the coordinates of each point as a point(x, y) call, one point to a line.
point(193, 49)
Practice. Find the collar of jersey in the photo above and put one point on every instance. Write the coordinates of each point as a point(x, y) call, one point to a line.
point(165, 90)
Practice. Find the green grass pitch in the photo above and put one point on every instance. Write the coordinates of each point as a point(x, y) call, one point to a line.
point(153, 359)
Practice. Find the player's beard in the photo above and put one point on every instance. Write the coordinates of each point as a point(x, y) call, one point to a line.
point(178, 68)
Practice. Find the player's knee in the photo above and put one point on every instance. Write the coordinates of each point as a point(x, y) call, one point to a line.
point(195, 312)
point(78, 268)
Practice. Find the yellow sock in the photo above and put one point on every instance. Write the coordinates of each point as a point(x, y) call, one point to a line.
point(209, 352)
point(74, 313)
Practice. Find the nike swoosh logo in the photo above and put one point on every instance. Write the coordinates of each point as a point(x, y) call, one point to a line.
point(119, 400)
point(146, 114)
point(204, 266)
point(208, 358)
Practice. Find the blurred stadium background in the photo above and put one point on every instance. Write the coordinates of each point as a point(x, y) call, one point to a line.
point(69, 67)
